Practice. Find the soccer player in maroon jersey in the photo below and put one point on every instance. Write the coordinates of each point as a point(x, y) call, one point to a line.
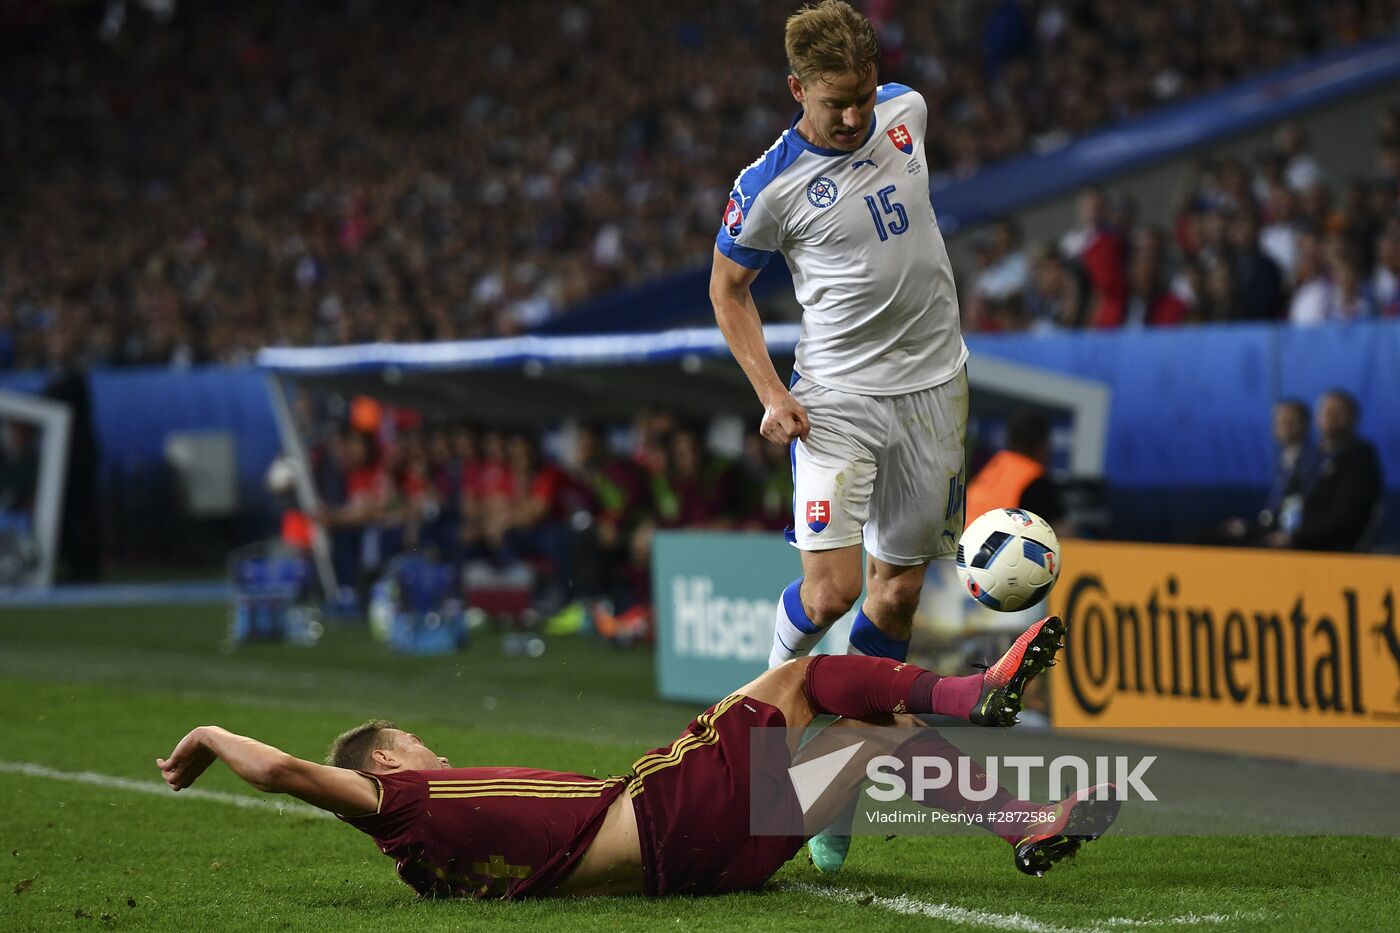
point(679, 822)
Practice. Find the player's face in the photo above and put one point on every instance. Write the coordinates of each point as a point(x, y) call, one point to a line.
point(412, 755)
point(836, 108)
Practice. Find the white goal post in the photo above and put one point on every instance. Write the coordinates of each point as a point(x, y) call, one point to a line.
point(54, 421)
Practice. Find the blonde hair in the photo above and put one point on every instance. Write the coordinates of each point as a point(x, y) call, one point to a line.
point(830, 38)
point(354, 749)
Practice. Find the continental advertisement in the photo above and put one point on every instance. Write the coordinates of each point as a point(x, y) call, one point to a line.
point(1163, 636)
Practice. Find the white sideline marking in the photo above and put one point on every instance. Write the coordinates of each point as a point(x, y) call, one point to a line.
point(151, 787)
point(913, 907)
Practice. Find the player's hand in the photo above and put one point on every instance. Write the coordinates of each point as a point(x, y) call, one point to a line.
point(784, 419)
point(187, 762)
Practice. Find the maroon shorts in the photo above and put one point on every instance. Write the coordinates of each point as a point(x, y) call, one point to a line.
point(693, 800)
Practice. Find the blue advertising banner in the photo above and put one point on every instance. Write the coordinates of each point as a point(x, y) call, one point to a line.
point(716, 597)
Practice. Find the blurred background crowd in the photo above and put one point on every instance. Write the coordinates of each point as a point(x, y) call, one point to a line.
point(549, 518)
point(1268, 241)
point(315, 173)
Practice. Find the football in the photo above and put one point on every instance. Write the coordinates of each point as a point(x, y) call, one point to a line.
point(1008, 559)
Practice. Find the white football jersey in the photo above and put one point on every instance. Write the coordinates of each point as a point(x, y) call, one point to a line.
point(880, 311)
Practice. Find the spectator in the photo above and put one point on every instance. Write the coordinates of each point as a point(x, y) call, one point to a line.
point(1385, 283)
point(692, 489)
point(1279, 236)
point(1218, 300)
point(1098, 251)
point(1301, 171)
point(1017, 478)
point(79, 535)
point(1258, 283)
point(490, 497)
point(1341, 507)
point(1347, 299)
point(1294, 473)
point(765, 482)
point(1150, 301)
point(1312, 292)
point(1007, 271)
point(619, 492)
point(1053, 299)
point(354, 499)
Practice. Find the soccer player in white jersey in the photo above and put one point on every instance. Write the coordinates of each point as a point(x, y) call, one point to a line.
point(876, 413)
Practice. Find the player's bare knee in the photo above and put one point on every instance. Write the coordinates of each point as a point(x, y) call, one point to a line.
point(825, 601)
point(891, 605)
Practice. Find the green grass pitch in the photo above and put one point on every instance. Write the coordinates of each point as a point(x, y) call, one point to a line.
point(106, 691)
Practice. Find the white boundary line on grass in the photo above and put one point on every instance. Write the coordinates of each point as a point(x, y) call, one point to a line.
point(904, 904)
point(967, 916)
point(151, 787)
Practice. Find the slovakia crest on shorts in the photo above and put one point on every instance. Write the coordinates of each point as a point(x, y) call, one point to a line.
point(818, 514)
point(733, 217)
point(901, 139)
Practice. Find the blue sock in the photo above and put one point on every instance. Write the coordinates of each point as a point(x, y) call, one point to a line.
point(868, 640)
point(794, 635)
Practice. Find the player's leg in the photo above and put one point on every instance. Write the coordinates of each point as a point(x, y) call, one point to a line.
point(833, 473)
point(829, 585)
point(865, 688)
point(916, 502)
point(908, 738)
point(914, 516)
point(882, 629)
point(883, 626)
point(1041, 834)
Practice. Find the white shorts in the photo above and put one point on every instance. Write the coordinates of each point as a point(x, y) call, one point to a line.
point(883, 470)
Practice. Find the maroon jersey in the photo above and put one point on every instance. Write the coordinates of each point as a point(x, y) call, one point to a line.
point(693, 801)
point(486, 832)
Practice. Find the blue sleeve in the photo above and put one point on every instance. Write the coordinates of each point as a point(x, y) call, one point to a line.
point(743, 255)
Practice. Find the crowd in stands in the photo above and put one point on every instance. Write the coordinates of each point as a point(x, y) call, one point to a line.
point(580, 523)
point(188, 182)
point(1270, 241)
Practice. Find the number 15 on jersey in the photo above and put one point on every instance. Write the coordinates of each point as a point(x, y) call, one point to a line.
point(885, 209)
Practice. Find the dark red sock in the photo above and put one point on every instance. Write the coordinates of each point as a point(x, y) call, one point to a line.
point(1001, 814)
point(859, 687)
point(948, 696)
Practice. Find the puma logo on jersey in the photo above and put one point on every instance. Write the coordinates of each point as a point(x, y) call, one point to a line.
point(869, 162)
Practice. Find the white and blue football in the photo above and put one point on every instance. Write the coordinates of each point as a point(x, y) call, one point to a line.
point(1008, 559)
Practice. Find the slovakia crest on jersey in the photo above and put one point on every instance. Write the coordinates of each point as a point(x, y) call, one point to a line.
point(733, 217)
point(822, 192)
point(818, 514)
point(901, 139)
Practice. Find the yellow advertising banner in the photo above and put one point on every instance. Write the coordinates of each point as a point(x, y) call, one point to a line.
point(1195, 637)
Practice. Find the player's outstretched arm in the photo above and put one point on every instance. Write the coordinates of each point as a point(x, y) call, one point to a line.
point(737, 315)
point(269, 769)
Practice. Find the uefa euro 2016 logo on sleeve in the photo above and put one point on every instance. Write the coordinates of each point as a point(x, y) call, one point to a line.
point(733, 217)
point(821, 192)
